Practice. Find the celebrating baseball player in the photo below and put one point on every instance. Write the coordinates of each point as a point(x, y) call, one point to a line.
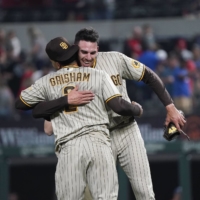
point(82, 139)
point(127, 143)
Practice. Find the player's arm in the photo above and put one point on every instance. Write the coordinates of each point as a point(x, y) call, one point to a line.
point(31, 96)
point(75, 97)
point(152, 79)
point(20, 105)
point(134, 70)
point(48, 129)
point(47, 108)
point(124, 108)
point(117, 104)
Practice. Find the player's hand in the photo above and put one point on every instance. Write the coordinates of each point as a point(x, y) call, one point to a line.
point(140, 107)
point(48, 129)
point(173, 115)
point(76, 97)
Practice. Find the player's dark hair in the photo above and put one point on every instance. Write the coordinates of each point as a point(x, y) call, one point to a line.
point(87, 34)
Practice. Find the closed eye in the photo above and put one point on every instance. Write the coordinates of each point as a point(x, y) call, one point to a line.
point(86, 52)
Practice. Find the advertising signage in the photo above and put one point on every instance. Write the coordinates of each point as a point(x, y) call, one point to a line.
point(27, 137)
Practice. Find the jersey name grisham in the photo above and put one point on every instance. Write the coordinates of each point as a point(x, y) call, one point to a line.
point(69, 77)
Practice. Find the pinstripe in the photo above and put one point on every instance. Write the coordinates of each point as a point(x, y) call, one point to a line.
point(132, 157)
point(138, 172)
point(96, 162)
point(127, 143)
point(101, 152)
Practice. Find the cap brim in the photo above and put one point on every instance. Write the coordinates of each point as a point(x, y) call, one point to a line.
point(69, 53)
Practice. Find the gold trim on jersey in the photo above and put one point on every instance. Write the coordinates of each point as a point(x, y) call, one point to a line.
point(142, 74)
point(71, 66)
point(24, 102)
point(94, 63)
point(117, 95)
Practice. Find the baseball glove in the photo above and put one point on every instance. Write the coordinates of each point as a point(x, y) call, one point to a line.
point(171, 132)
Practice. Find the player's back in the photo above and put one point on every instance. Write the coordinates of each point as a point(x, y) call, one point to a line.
point(77, 120)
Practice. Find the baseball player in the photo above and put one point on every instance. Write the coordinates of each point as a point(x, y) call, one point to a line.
point(127, 143)
point(48, 129)
point(81, 133)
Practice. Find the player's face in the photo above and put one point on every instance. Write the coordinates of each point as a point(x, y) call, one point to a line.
point(87, 53)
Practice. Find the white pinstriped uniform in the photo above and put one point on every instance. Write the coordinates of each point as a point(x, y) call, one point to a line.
point(85, 155)
point(127, 142)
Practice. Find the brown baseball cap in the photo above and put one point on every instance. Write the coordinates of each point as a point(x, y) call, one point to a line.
point(59, 49)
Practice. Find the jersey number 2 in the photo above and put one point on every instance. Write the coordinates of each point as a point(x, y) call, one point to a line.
point(69, 109)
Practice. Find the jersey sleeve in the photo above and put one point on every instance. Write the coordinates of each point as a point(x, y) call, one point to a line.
point(110, 91)
point(131, 69)
point(34, 94)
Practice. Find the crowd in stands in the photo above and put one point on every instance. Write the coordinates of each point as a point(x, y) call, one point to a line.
point(78, 10)
point(19, 69)
point(177, 65)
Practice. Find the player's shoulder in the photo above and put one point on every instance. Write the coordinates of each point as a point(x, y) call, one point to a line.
point(46, 77)
point(92, 70)
point(115, 56)
point(109, 53)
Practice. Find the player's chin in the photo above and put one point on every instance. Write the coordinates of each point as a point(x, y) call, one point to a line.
point(84, 65)
point(87, 64)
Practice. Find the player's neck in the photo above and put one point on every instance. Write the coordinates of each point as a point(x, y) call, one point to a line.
point(72, 64)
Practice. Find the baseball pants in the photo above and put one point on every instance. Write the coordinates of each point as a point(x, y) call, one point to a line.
point(87, 159)
point(128, 147)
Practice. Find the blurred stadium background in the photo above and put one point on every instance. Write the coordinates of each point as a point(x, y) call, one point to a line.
point(164, 35)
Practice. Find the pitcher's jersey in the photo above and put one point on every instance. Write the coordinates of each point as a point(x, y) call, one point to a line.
point(119, 67)
point(74, 121)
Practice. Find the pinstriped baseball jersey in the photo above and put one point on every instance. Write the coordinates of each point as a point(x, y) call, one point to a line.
point(127, 143)
point(74, 121)
point(119, 67)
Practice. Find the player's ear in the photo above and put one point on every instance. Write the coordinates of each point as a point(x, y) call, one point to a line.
point(58, 65)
